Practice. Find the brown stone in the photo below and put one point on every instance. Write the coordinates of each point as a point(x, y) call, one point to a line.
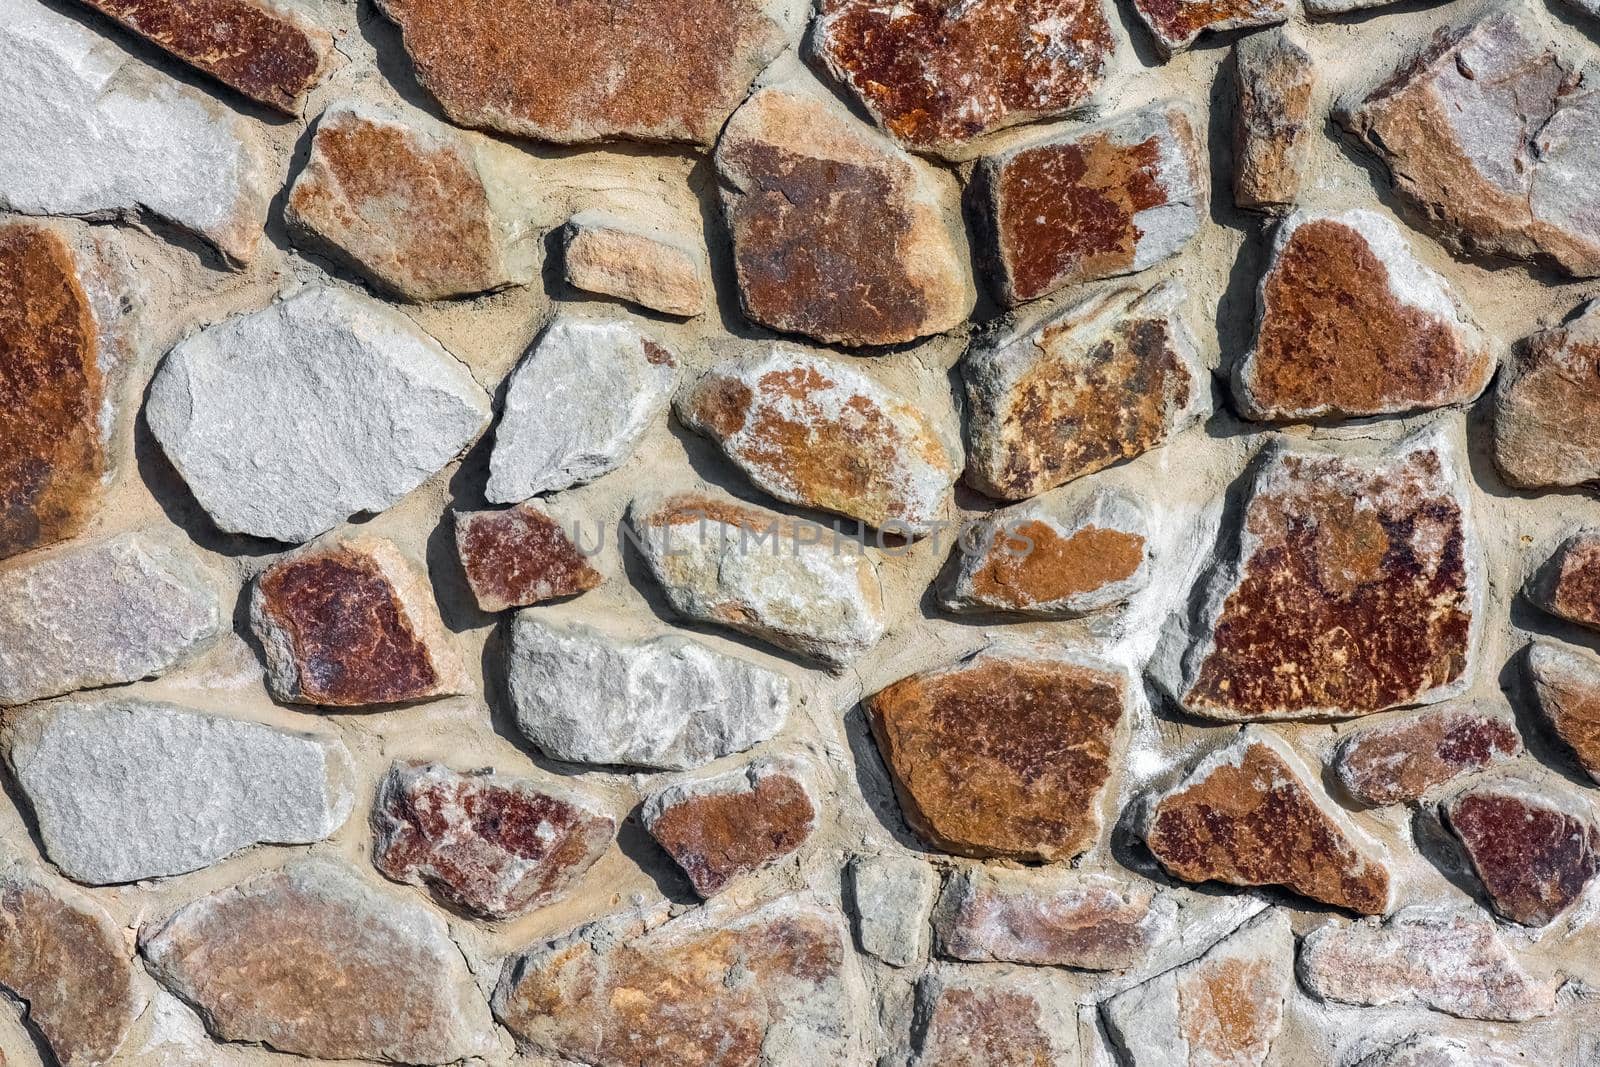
point(837, 234)
point(1272, 131)
point(1006, 753)
point(1534, 850)
point(1099, 201)
point(1569, 586)
point(722, 828)
point(520, 556)
point(604, 254)
point(494, 845)
point(1545, 403)
point(1407, 758)
point(265, 51)
point(1566, 683)
point(982, 1017)
point(1175, 24)
point(936, 75)
point(1250, 815)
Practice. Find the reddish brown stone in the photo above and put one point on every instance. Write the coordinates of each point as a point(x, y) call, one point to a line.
point(1567, 685)
point(1272, 131)
point(1570, 585)
point(1004, 754)
point(975, 1017)
point(1532, 849)
point(1409, 757)
point(1545, 403)
point(519, 557)
point(1176, 23)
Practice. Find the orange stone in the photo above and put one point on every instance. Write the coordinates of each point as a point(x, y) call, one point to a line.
point(1545, 402)
point(1407, 758)
point(520, 556)
point(1566, 683)
point(976, 1017)
point(1175, 24)
point(1534, 850)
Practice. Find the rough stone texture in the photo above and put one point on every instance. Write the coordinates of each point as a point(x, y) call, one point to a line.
point(1006, 753)
point(821, 434)
point(520, 556)
point(604, 254)
point(1566, 684)
point(771, 985)
point(1440, 1050)
point(283, 958)
point(576, 406)
point(978, 1017)
point(1449, 959)
point(1356, 587)
point(1175, 24)
point(890, 898)
point(1544, 403)
point(350, 624)
point(1534, 850)
point(495, 845)
point(1272, 130)
point(658, 70)
point(791, 583)
point(1249, 814)
point(722, 828)
point(935, 76)
point(667, 702)
point(1107, 379)
point(1350, 323)
point(1569, 586)
point(837, 234)
point(1407, 758)
point(1060, 556)
point(129, 789)
point(1095, 202)
point(401, 199)
point(91, 131)
point(286, 421)
point(1491, 134)
point(103, 613)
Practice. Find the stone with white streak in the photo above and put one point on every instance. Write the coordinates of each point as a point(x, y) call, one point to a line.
point(891, 896)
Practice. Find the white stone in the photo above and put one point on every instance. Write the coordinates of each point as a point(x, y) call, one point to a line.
point(1440, 1050)
point(891, 898)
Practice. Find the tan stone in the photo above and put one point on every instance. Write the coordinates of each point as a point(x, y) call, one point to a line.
point(607, 255)
point(520, 556)
point(1566, 684)
point(1535, 850)
point(1545, 403)
point(1272, 130)
point(1175, 24)
point(1405, 759)
point(991, 1017)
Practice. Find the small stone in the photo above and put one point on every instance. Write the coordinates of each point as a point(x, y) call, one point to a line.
point(607, 255)
point(667, 702)
point(495, 845)
point(287, 958)
point(286, 421)
point(1112, 198)
point(1175, 24)
point(980, 1017)
point(128, 789)
point(1249, 815)
point(1350, 323)
point(890, 897)
point(520, 556)
point(1534, 850)
point(1274, 79)
point(722, 828)
point(1448, 959)
point(1060, 556)
point(934, 76)
point(1407, 758)
point(91, 131)
point(775, 984)
point(1566, 683)
point(1569, 586)
point(1440, 1050)
point(403, 201)
point(1006, 753)
point(267, 52)
point(823, 435)
point(838, 234)
point(1544, 404)
point(352, 624)
point(103, 613)
point(1586, 7)
point(576, 406)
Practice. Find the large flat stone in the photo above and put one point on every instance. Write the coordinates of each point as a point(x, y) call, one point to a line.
point(603, 253)
point(1405, 759)
point(520, 556)
point(987, 1017)
point(1566, 685)
point(890, 898)
point(1545, 400)
point(1272, 129)
point(1534, 849)
point(1174, 25)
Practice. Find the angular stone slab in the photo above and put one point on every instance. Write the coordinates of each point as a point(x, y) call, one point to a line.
point(1566, 685)
point(890, 898)
point(1272, 130)
point(1441, 1050)
point(286, 421)
point(983, 1017)
point(130, 789)
point(1405, 759)
point(1543, 403)
point(1174, 25)
point(1535, 850)
point(1568, 585)
point(520, 556)
point(604, 254)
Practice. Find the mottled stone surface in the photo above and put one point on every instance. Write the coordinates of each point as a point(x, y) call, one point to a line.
point(1440, 1050)
point(1569, 585)
point(936, 75)
point(1272, 129)
point(890, 898)
point(495, 845)
point(1107, 379)
point(1250, 814)
point(1094, 202)
point(1405, 759)
point(1350, 323)
point(1534, 850)
point(1566, 685)
point(982, 1017)
point(604, 254)
point(353, 623)
point(520, 556)
point(837, 234)
point(1006, 753)
point(284, 958)
point(1175, 24)
point(1545, 402)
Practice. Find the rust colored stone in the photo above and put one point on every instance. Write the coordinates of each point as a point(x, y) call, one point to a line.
point(1174, 24)
point(1566, 683)
point(1532, 850)
point(519, 557)
point(977, 1017)
point(1408, 758)
point(1570, 585)
point(1273, 78)
point(1545, 403)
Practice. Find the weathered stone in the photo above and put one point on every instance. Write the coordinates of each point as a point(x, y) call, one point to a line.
point(312, 961)
point(271, 54)
point(351, 624)
point(576, 406)
point(520, 556)
point(1545, 402)
point(91, 131)
point(1249, 814)
point(494, 845)
point(1350, 323)
point(656, 270)
point(1060, 556)
point(667, 702)
point(722, 828)
point(775, 984)
point(112, 611)
point(1586, 7)
point(1006, 753)
point(128, 789)
point(837, 234)
point(1534, 850)
point(1440, 1050)
point(1175, 24)
point(1569, 586)
point(1451, 960)
point(1407, 758)
point(822, 434)
point(1274, 79)
point(934, 76)
point(288, 420)
point(1492, 134)
point(789, 582)
point(1566, 683)
point(983, 1017)
point(403, 201)
point(890, 897)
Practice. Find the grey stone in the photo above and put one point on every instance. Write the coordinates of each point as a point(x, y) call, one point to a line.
point(1587, 7)
point(891, 897)
point(1440, 1050)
